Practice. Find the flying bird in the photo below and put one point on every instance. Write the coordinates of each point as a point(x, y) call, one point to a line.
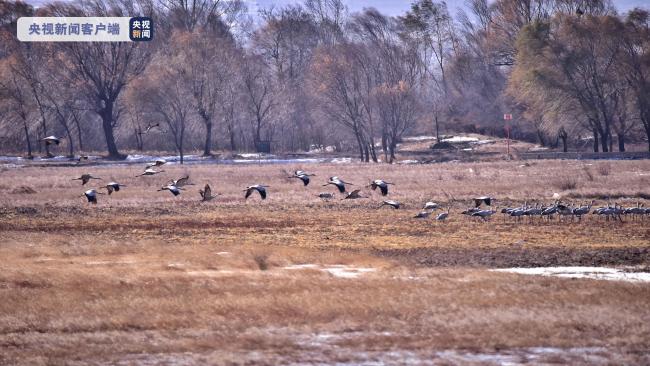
point(49, 140)
point(148, 128)
point(206, 193)
point(172, 188)
point(261, 189)
point(91, 196)
point(339, 183)
point(391, 203)
point(157, 163)
point(149, 171)
point(483, 199)
point(383, 186)
point(353, 195)
point(85, 178)
point(304, 177)
point(112, 187)
point(181, 182)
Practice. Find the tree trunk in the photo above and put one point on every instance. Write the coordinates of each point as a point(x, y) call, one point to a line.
point(435, 117)
point(44, 124)
point(107, 124)
point(393, 146)
point(79, 134)
point(540, 137)
point(610, 141)
point(359, 144)
point(373, 151)
point(29, 143)
point(647, 133)
point(233, 143)
point(603, 141)
point(621, 142)
point(207, 149)
point(366, 151)
point(180, 144)
point(596, 143)
point(139, 140)
point(70, 140)
point(564, 143)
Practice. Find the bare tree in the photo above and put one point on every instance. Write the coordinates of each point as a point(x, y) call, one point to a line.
point(260, 96)
point(104, 69)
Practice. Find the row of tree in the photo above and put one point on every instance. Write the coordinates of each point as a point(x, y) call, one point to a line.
point(312, 75)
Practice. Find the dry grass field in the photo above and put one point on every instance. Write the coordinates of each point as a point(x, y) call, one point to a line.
point(147, 278)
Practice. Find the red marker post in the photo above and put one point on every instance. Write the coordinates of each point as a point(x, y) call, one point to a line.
point(507, 117)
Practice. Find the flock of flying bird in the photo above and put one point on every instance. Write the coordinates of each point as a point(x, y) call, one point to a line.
point(558, 208)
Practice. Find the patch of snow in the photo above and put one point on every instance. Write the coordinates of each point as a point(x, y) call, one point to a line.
point(171, 159)
point(223, 253)
point(301, 266)
point(255, 155)
point(408, 162)
point(337, 270)
point(272, 161)
point(483, 142)
point(209, 273)
point(522, 356)
point(99, 263)
point(418, 138)
point(341, 160)
point(347, 272)
point(598, 273)
point(460, 139)
point(313, 149)
point(538, 148)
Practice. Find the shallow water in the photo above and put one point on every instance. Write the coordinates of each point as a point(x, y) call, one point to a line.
point(16, 161)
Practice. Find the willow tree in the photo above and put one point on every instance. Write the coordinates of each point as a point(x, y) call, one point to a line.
point(561, 56)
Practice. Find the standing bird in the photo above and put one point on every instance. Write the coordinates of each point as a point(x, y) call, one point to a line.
point(206, 193)
point(391, 203)
point(353, 195)
point(150, 171)
point(304, 177)
point(430, 206)
point(483, 199)
point(85, 178)
point(157, 163)
point(443, 215)
point(52, 140)
point(383, 186)
point(422, 215)
point(325, 196)
point(91, 196)
point(172, 188)
point(484, 214)
point(261, 189)
point(340, 184)
point(112, 187)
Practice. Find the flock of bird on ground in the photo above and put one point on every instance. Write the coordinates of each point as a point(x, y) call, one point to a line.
point(482, 206)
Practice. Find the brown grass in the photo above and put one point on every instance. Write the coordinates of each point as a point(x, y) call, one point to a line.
point(145, 277)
